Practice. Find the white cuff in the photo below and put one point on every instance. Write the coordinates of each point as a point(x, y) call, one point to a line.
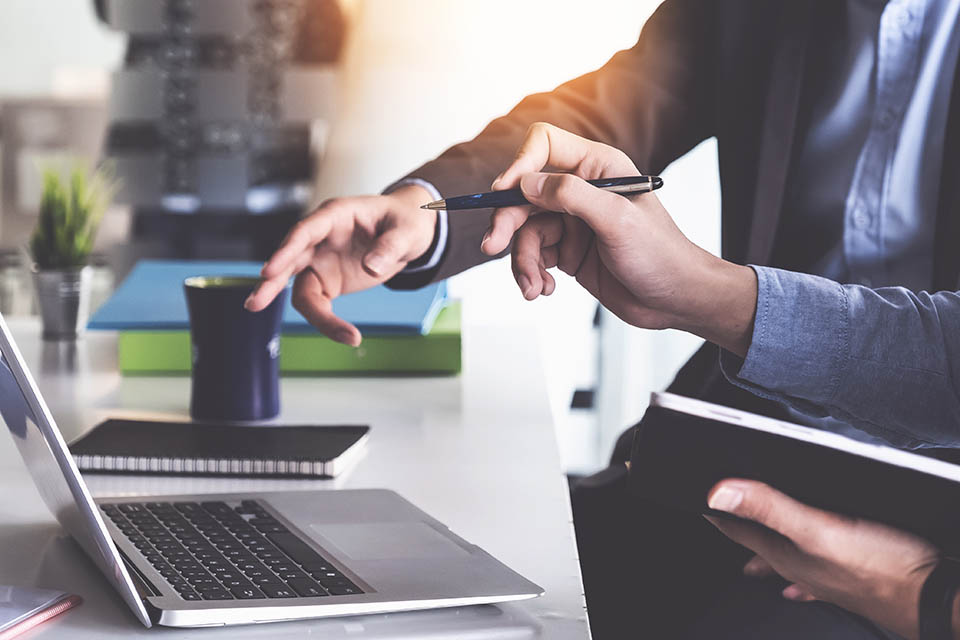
point(442, 226)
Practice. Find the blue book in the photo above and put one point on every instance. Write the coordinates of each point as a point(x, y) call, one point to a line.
point(152, 298)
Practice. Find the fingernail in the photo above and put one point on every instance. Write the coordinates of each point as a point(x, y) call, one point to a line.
point(496, 181)
point(376, 264)
point(532, 183)
point(346, 337)
point(793, 592)
point(486, 239)
point(525, 284)
point(246, 303)
point(726, 499)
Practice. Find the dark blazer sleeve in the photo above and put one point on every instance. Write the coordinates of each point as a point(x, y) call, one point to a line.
point(654, 101)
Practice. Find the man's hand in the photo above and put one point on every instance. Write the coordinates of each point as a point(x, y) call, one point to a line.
point(346, 245)
point(628, 253)
point(868, 568)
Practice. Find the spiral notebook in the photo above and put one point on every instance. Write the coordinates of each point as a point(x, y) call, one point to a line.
point(139, 446)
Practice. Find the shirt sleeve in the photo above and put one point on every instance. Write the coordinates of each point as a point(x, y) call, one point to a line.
point(427, 262)
point(884, 360)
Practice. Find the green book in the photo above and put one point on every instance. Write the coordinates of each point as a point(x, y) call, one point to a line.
point(438, 352)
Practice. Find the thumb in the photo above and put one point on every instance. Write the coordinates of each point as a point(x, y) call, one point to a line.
point(767, 506)
point(390, 248)
point(567, 193)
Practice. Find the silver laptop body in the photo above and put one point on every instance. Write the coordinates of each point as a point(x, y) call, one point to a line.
point(372, 551)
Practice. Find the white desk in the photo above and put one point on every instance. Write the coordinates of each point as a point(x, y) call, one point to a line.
point(478, 452)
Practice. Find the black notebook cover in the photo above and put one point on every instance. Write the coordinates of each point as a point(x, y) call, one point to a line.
point(678, 457)
point(217, 449)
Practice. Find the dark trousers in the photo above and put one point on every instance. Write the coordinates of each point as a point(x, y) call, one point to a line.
point(651, 572)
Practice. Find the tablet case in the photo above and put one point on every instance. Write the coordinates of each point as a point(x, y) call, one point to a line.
point(136, 446)
point(678, 457)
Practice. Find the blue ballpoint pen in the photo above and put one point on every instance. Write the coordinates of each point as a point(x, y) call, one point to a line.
point(629, 185)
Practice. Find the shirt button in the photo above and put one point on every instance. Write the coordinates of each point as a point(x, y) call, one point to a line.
point(861, 219)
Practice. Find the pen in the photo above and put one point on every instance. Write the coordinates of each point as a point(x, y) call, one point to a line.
point(513, 197)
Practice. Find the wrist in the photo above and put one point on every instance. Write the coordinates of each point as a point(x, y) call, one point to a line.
point(719, 303)
point(422, 222)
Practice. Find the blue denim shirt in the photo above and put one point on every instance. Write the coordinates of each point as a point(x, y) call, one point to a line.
point(876, 353)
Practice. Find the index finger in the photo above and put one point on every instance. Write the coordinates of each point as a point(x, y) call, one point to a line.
point(268, 288)
point(304, 235)
point(546, 144)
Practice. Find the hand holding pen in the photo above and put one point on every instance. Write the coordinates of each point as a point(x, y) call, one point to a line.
point(547, 145)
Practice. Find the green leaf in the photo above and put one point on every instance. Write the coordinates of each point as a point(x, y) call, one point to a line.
point(71, 207)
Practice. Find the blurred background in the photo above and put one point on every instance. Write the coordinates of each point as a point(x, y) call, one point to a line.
point(316, 99)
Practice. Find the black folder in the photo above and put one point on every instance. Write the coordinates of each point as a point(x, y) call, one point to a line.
point(686, 446)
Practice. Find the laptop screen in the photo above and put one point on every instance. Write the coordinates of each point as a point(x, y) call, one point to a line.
point(54, 473)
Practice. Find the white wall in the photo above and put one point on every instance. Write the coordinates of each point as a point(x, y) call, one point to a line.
point(40, 38)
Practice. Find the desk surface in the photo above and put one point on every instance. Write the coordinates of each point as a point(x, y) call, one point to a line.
point(478, 452)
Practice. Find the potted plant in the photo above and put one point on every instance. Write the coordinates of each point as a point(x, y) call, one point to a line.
point(70, 211)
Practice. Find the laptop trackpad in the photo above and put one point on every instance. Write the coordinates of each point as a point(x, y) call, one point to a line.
point(388, 540)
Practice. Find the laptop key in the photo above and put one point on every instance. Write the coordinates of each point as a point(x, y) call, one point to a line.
point(276, 591)
point(344, 591)
point(202, 581)
point(328, 575)
point(294, 547)
point(306, 587)
point(292, 575)
point(335, 584)
point(238, 582)
point(272, 528)
point(132, 508)
point(224, 576)
point(220, 594)
point(247, 593)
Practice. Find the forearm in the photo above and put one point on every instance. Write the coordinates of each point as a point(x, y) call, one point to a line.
point(883, 360)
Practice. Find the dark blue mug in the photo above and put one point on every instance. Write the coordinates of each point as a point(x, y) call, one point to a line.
point(236, 353)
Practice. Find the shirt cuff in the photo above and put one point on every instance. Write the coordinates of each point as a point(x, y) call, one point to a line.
point(800, 344)
point(427, 262)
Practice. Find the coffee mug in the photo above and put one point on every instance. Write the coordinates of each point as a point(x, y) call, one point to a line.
point(235, 352)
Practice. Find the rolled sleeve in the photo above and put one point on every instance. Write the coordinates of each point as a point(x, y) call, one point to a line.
point(800, 337)
point(881, 360)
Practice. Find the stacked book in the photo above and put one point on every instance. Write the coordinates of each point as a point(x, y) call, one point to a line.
point(404, 332)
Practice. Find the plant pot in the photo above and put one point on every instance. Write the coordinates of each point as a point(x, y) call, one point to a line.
point(64, 299)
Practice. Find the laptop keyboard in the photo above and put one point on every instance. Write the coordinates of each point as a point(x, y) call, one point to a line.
point(221, 551)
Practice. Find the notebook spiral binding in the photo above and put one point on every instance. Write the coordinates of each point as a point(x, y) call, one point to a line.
point(224, 466)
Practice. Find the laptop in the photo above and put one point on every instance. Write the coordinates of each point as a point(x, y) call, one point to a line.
point(225, 559)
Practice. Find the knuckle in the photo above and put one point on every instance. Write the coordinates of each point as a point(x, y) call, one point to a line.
point(564, 186)
point(508, 217)
point(539, 127)
point(389, 246)
point(298, 298)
